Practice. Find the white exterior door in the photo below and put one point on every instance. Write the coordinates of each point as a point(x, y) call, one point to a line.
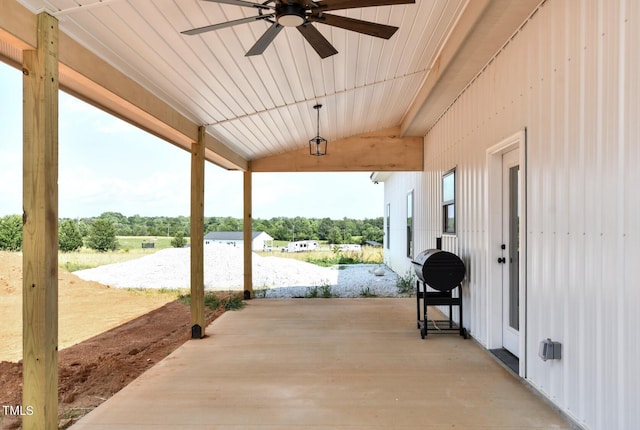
point(510, 259)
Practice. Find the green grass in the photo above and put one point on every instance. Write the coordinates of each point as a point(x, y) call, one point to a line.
point(260, 293)
point(407, 284)
point(326, 257)
point(312, 293)
point(325, 291)
point(213, 301)
point(156, 292)
point(128, 243)
point(336, 258)
point(129, 248)
point(315, 292)
point(366, 292)
point(88, 258)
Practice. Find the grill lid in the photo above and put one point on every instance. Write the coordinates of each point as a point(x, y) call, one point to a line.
point(441, 270)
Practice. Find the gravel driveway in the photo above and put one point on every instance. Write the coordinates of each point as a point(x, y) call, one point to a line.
point(275, 277)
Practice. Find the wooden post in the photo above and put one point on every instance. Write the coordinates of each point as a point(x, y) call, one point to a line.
point(247, 233)
point(40, 230)
point(197, 236)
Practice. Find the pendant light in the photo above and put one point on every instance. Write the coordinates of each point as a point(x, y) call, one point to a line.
point(318, 145)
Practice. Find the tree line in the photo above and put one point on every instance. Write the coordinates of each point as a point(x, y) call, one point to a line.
point(96, 232)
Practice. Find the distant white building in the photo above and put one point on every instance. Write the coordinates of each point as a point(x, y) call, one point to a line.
point(302, 245)
point(260, 241)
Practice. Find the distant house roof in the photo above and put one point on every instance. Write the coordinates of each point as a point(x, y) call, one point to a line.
point(373, 243)
point(232, 235)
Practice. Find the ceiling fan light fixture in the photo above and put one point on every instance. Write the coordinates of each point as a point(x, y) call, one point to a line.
point(290, 20)
point(290, 15)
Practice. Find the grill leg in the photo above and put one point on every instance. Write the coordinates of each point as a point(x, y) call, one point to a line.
point(418, 303)
point(425, 317)
point(463, 332)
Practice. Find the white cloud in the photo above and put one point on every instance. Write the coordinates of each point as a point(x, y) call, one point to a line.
point(82, 193)
point(316, 195)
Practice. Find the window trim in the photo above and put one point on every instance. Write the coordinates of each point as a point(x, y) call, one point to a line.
point(410, 221)
point(451, 203)
point(388, 230)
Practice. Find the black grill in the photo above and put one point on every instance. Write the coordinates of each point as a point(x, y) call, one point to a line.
point(443, 272)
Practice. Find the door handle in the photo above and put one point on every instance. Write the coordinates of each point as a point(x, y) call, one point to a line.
point(502, 260)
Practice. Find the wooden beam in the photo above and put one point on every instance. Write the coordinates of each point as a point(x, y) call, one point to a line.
point(18, 24)
point(197, 236)
point(223, 156)
point(379, 151)
point(40, 231)
point(247, 228)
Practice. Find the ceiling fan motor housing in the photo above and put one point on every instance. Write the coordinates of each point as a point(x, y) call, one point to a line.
point(290, 15)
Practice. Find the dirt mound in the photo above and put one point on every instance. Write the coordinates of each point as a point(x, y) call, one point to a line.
point(92, 371)
point(85, 308)
point(121, 334)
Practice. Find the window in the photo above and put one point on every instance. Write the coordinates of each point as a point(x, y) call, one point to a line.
point(449, 202)
point(388, 216)
point(410, 224)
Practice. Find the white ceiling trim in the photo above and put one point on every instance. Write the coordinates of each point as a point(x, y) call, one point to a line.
point(262, 106)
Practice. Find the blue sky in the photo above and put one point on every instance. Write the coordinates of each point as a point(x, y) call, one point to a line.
point(109, 165)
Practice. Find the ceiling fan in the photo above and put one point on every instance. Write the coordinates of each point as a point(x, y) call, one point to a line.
point(300, 14)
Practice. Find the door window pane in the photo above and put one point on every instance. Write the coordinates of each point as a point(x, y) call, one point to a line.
point(410, 224)
point(450, 218)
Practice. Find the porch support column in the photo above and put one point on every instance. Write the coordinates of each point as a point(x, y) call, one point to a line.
point(247, 229)
point(197, 236)
point(40, 230)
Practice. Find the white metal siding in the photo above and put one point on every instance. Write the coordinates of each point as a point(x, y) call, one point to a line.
point(570, 76)
point(396, 189)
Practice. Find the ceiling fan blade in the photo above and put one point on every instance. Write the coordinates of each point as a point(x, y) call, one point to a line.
point(317, 40)
point(243, 3)
point(350, 4)
point(265, 40)
point(227, 24)
point(358, 25)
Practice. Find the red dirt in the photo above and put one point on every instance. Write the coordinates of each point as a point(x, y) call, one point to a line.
point(92, 371)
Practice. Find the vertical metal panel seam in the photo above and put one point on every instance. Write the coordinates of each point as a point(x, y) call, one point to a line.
point(621, 186)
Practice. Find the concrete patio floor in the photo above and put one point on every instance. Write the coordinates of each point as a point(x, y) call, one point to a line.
point(325, 364)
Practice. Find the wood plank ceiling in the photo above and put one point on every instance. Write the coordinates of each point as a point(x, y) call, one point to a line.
point(262, 106)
